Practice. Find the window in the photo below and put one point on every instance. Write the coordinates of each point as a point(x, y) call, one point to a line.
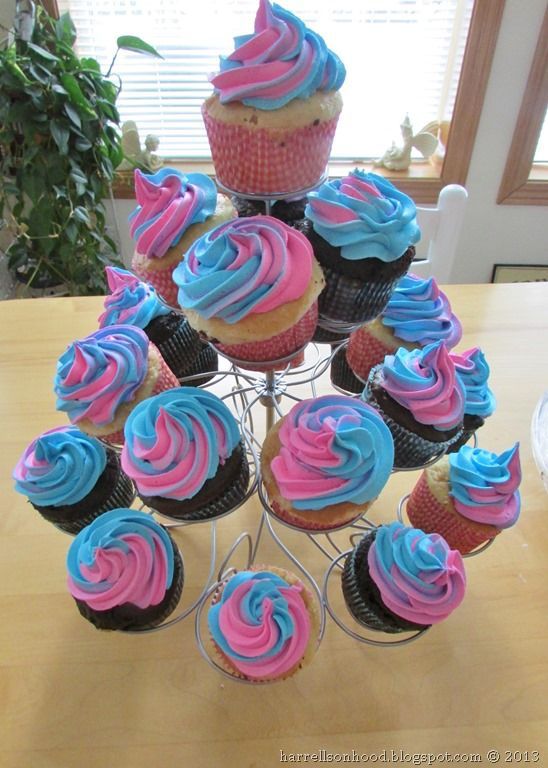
point(391, 72)
point(525, 178)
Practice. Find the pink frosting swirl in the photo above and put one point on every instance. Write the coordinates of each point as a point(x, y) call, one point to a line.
point(419, 577)
point(425, 382)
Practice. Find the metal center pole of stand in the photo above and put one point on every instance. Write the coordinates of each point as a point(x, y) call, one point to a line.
point(268, 400)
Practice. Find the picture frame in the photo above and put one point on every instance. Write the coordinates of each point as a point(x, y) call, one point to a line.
point(519, 273)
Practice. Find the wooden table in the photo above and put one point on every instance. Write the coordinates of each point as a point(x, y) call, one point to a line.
point(73, 696)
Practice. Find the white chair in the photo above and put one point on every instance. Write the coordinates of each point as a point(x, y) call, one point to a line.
point(440, 228)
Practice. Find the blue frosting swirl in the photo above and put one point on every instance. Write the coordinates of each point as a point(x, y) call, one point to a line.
point(419, 313)
point(365, 215)
point(473, 371)
point(60, 467)
point(131, 302)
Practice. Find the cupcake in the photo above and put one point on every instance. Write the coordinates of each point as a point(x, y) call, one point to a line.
point(263, 624)
point(290, 211)
point(473, 371)
point(363, 232)
point(272, 117)
point(71, 478)
point(325, 463)
point(418, 313)
point(173, 209)
point(250, 286)
point(421, 399)
point(185, 455)
point(133, 302)
point(102, 377)
point(125, 571)
point(399, 579)
point(468, 497)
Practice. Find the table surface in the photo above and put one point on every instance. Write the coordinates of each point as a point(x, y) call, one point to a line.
point(74, 696)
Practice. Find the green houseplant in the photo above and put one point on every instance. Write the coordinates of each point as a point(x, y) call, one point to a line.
point(59, 147)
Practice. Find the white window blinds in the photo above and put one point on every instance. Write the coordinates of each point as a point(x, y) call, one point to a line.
point(402, 57)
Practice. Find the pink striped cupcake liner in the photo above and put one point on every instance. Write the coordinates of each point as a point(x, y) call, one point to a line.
point(364, 352)
point(268, 161)
point(161, 279)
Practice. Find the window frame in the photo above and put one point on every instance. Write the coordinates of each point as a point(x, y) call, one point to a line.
point(523, 181)
point(422, 181)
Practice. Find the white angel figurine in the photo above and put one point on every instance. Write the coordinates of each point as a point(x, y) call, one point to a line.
point(134, 154)
point(399, 158)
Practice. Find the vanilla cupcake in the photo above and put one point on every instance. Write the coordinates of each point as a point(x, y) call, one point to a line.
point(251, 286)
point(173, 209)
point(421, 399)
point(102, 377)
point(363, 232)
point(325, 463)
point(468, 497)
point(272, 117)
point(263, 624)
point(418, 313)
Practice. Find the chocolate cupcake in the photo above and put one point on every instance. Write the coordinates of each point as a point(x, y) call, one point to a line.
point(363, 232)
point(125, 571)
point(473, 371)
point(184, 453)
point(421, 399)
point(399, 579)
point(71, 478)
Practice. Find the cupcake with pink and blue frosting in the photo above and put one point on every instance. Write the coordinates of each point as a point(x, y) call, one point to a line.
point(401, 579)
point(134, 302)
point(125, 571)
point(473, 370)
point(468, 497)
point(184, 452)
point(263, 624)
point(325, 463)
point(421, 399)
point(363, 231)
point(173, 209)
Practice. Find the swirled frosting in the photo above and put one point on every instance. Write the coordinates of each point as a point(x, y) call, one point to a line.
point(484, 485)
point(176, 440)
point(419, 313)
point(473, 371)
point(60, 467)
point(100, 372)
point(168, 203)
point(418, 576)
point(333, 449)
point(365, 215)
point(245, 266)
point(261, 623)
point(425, 382)
point(131, 301)
point(123, 556)
point(281, 61)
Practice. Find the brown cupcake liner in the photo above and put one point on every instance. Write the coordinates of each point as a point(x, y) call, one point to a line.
point(471, 425)
point(207, 361)
point(324, 336)
point(228, 495)
point(129, 616)
point(363, 597)
point(181, 349)
point(342, 376)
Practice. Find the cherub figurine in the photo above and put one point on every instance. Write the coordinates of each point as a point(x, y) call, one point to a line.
point(399, 158)
point(134, 155)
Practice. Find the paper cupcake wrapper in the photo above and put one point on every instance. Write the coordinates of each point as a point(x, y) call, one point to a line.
point(166, 380)
point(230, 499)
point(264, 161)
point(207, 360)
point(122, 496)
point(258, 355)
point(364, 600)
point(181, 350)
point(365, 352)
point(323, 336)
point(341, 374)
point(314, 523)
point(410, 449)
point(471, 425)
point(161, 279)
point(351, 300)
point(130, 617)
point(431, 516)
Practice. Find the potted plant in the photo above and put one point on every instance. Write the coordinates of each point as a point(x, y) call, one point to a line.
point(59, 147)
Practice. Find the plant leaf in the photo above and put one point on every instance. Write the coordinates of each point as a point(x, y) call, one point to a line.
point(42, 52)
point(72, 114)
point(135, 44)
point(70, 83)
point(60, 135)
point(65, 30)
